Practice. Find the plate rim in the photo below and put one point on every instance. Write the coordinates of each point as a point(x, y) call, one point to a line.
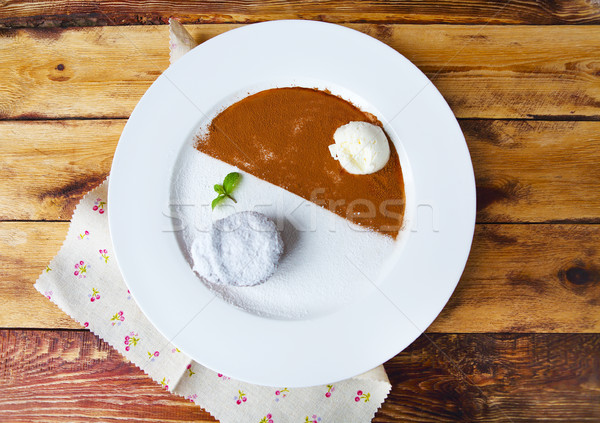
point(149, 309)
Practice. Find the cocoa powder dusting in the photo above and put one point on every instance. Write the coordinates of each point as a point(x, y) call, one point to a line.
point(282, 136)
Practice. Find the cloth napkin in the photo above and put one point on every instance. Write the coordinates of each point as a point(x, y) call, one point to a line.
point(84, 280)
point(180, 41)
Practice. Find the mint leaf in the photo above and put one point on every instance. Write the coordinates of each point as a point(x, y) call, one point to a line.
point(225, 190)
point(230, 182)
point(217, 200)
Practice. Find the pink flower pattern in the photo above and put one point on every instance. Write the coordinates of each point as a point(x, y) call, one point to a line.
point(99, 205)
point(81, 269)
point(330, 389)
point(281, 393)
point(267, 419)
point(131, 340)
point(85, 235)
point(189, 369)
point(117, 318)
point(362, 396)
point(104, 255)
point(48, 294)
point(313, 419)
point(94, 296)
point(165, 383)
point(241, 398)
point(153, 355)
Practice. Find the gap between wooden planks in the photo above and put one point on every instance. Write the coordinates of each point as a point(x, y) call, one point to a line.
point(549, 72)
point(519, 278)
point(62, 375)
point(526, 171)
point(110, 12)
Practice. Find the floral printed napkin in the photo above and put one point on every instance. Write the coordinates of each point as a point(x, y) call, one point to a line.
point(180, 41)
point(86, 283)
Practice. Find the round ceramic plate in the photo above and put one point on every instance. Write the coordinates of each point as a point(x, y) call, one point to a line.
point(423, 268)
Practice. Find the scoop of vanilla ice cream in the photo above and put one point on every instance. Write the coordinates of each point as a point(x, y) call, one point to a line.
point(360, 147)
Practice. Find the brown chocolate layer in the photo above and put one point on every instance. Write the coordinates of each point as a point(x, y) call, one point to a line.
point(282, 136)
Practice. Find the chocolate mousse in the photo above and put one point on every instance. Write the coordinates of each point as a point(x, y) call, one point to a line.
point(282, 136)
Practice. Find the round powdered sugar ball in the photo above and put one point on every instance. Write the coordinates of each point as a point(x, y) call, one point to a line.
point(242, 249)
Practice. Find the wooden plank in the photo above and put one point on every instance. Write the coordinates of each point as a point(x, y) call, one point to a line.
point(532, 171)
point(439, 378)
point(519, 278)
point(495, 378)
point(23, 13)
point(74, 376)
point(526, 171)
point(47, 167)
point(25, 250)
point(528, 278)
point(542, 72)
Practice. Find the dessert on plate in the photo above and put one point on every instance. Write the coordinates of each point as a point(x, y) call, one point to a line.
point(318, 202)
point(284, 136)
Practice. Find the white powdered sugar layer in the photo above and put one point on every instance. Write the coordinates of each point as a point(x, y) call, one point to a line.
point(327, 261)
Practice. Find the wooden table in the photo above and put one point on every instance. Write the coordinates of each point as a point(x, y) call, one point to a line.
point(518, 341)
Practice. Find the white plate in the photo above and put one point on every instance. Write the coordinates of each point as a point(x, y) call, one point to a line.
point(424, 268)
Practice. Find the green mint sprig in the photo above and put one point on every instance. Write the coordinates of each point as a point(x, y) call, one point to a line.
point(224, 191)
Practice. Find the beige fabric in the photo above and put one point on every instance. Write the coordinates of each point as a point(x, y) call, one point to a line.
point(180, 41)
point(85, 268)
point(84, 280)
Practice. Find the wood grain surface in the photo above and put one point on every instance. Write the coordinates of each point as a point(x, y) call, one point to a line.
point(74, 376)
point(526, 171)
point(524, 72)
point(533, 171)
point(495, 378)
point(29, 13)
point(519, 278)
point(47, 166)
